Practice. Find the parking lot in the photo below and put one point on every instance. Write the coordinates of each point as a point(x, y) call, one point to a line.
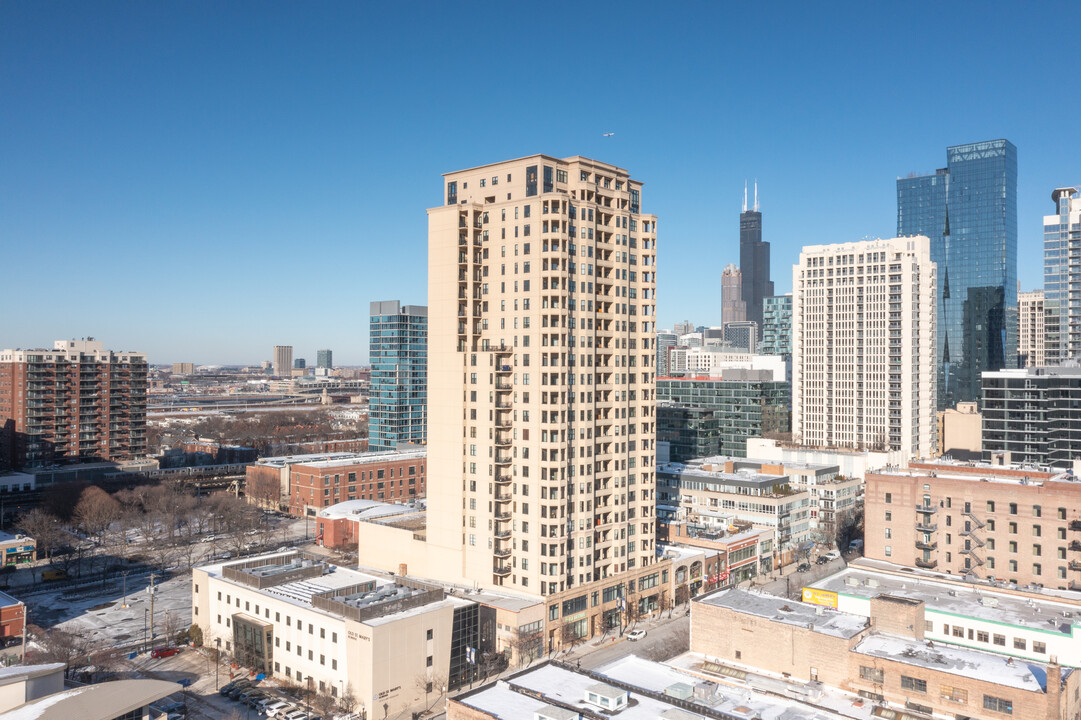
point(201, 698)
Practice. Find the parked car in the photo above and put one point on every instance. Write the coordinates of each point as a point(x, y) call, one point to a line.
point(803, 567)
point(832, 555)
point(164, 652)
point(170, 707)
point(54, 574)
point(278, 707)
point(821, 560)
point(294, 715)
point(634, 635)
point(235, 687)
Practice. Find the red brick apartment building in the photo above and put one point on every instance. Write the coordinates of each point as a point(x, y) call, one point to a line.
point(1006, 522)
point(384, 476)
point(74, 402)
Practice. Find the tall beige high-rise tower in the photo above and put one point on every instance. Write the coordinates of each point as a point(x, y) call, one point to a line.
point(283, 360)
point(541, 295)
point(1031, 329)
point(864, 346)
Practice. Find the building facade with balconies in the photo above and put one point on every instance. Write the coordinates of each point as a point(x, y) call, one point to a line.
point(74, 403)
point(863, 343)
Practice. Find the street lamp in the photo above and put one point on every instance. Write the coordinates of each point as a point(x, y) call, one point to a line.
point(308, 701)
point(217, 662)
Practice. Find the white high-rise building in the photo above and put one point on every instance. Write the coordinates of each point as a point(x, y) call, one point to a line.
point(1062, 276)
point(864, 344)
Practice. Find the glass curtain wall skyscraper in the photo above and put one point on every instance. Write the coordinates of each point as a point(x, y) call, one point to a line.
point(969, 211)
point(1062, 276)
point(398, 350)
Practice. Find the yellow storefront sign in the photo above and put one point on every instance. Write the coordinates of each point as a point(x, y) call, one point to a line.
point(826, 598)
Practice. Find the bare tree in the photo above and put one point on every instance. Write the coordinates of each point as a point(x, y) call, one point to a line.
point(69, 647)
point(95, 512)
point(45, 529)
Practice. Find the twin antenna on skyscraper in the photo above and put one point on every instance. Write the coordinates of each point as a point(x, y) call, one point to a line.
point(745, 196)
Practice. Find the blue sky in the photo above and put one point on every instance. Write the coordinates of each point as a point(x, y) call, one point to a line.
point(203, 180)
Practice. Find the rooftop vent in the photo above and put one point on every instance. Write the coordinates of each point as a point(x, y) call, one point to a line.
point(606, 697)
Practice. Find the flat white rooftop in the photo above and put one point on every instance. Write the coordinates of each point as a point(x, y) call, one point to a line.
point(1008, 672)
point(789, 612)
point(960, 599)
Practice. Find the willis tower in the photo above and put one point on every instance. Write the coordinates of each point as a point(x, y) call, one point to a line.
point(753, 259)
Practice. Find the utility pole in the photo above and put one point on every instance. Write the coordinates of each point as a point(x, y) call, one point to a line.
point(152, 576)
point(124, 573)
point(26, 621)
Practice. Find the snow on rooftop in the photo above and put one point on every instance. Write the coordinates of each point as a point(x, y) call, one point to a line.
point(789, 612)
point(954, 660)
point(959, 599)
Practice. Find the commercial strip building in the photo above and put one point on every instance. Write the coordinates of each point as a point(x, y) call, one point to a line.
point(17, 549)
point(719, 498)
point(1034, 415)
point(631, 688)
point(863, 344)
point(704, 416)
point(1062, 276)
point(12, 619)
point(969, 211)
point(1014, 522)
point(884, 656)
point(74, 403)
point(388, 642)
point(1030, 624)
point(37, 692)
point(398, 352)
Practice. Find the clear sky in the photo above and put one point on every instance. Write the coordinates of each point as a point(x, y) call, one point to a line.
point(204, 180)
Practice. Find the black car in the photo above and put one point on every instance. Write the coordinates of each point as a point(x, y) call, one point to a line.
point(822, 560)
point(803, 567)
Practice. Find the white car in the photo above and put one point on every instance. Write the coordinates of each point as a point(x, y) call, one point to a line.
point(636, 635)
point(276, 708)
point(295, 715)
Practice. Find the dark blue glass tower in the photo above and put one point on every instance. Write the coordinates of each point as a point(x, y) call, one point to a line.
point(969, 211)
point(398, 351)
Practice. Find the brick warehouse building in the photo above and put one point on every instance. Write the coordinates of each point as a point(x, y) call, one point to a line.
point(383, 476)
point(75, 402)
point(1009, 522)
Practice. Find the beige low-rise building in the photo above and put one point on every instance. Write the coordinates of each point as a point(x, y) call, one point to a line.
point(883, 657)
point(718, 496)
point(393, 644)
point(960, 432)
